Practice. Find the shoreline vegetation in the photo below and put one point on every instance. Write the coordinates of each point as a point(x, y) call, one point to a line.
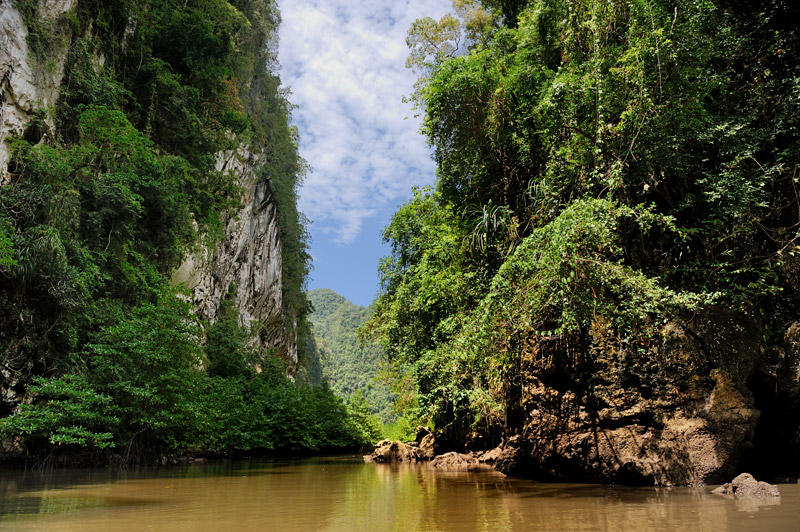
point(101, 360)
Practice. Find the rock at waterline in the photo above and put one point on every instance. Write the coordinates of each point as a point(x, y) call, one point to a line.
point(746, 486)
point(389, 451)
point(426, 442)
point(452, 461)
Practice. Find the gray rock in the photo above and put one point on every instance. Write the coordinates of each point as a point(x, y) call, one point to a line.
point(746, 486)
point(427, 446)
point(421, 433)
point(249, 256)
point(491, 456)
point(25, 84)
point(453, 461)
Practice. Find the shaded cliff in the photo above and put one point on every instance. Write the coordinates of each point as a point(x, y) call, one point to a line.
point(249, 257)
point(147, 145)
point(56, 62)
point(29, 91)
point(675, 411)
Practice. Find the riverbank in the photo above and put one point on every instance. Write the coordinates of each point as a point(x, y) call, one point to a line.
point(115, 461)
point(505, 457)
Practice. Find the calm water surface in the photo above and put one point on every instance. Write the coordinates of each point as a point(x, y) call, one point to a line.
point(345, 494)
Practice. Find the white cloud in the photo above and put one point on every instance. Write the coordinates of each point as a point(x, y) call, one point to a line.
point(344, 62)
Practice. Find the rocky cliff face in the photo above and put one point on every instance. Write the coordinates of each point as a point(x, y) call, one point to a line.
point(676, 411)
point(249, 255)
point(29, 90)
point(249, 258)
point(26, 84)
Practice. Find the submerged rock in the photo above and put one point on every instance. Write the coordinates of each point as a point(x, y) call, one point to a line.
point(389, 451)
point(745, 485)
point(473, 461)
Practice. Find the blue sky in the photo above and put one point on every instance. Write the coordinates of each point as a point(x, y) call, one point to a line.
point(344, 63)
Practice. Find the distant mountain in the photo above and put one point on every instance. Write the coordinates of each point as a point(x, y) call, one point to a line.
point(348, 366)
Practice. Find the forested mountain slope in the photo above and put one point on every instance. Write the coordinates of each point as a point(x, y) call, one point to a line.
point(147, 149)
point(605, 276)
point(348, 366)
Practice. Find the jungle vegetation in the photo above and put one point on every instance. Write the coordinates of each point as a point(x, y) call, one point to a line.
point(349, 366)
point(108, 190)
point(630, 161)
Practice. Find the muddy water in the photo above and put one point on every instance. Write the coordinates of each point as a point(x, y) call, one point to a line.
point(344, 494)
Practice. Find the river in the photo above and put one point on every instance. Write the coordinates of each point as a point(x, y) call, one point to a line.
point(345, 494)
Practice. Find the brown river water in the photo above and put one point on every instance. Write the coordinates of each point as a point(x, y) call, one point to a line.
point(345, 494)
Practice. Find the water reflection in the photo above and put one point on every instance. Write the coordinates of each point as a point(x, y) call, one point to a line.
point(346, 495)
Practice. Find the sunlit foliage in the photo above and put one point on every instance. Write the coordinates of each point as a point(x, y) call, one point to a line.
point(628, 162)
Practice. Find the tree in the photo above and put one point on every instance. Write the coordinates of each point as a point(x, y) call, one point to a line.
point(6, 246)
point(67, 411)
point(149, 364)
point(598, 162)
point(226, 350)
point(431, 42)
point(349, 366)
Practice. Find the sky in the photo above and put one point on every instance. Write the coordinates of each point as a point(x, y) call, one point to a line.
point(344, 62)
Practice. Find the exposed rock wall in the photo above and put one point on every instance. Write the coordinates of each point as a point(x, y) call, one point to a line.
point(26, 84)
point(249, 256)
point(675, 411)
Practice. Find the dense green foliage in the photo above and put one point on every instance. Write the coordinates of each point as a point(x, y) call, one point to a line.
point(348, 366)
point(627, 162)
point(108, 191)
point(143, 394)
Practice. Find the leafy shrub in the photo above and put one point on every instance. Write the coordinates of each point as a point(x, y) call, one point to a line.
point(67, 411)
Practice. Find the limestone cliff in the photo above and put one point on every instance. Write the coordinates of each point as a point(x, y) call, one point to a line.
point(249, 253)
point(26, 85)
point(249, 256)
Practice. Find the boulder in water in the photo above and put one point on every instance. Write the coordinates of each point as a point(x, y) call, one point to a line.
point(389, 451)
point(746, 486)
